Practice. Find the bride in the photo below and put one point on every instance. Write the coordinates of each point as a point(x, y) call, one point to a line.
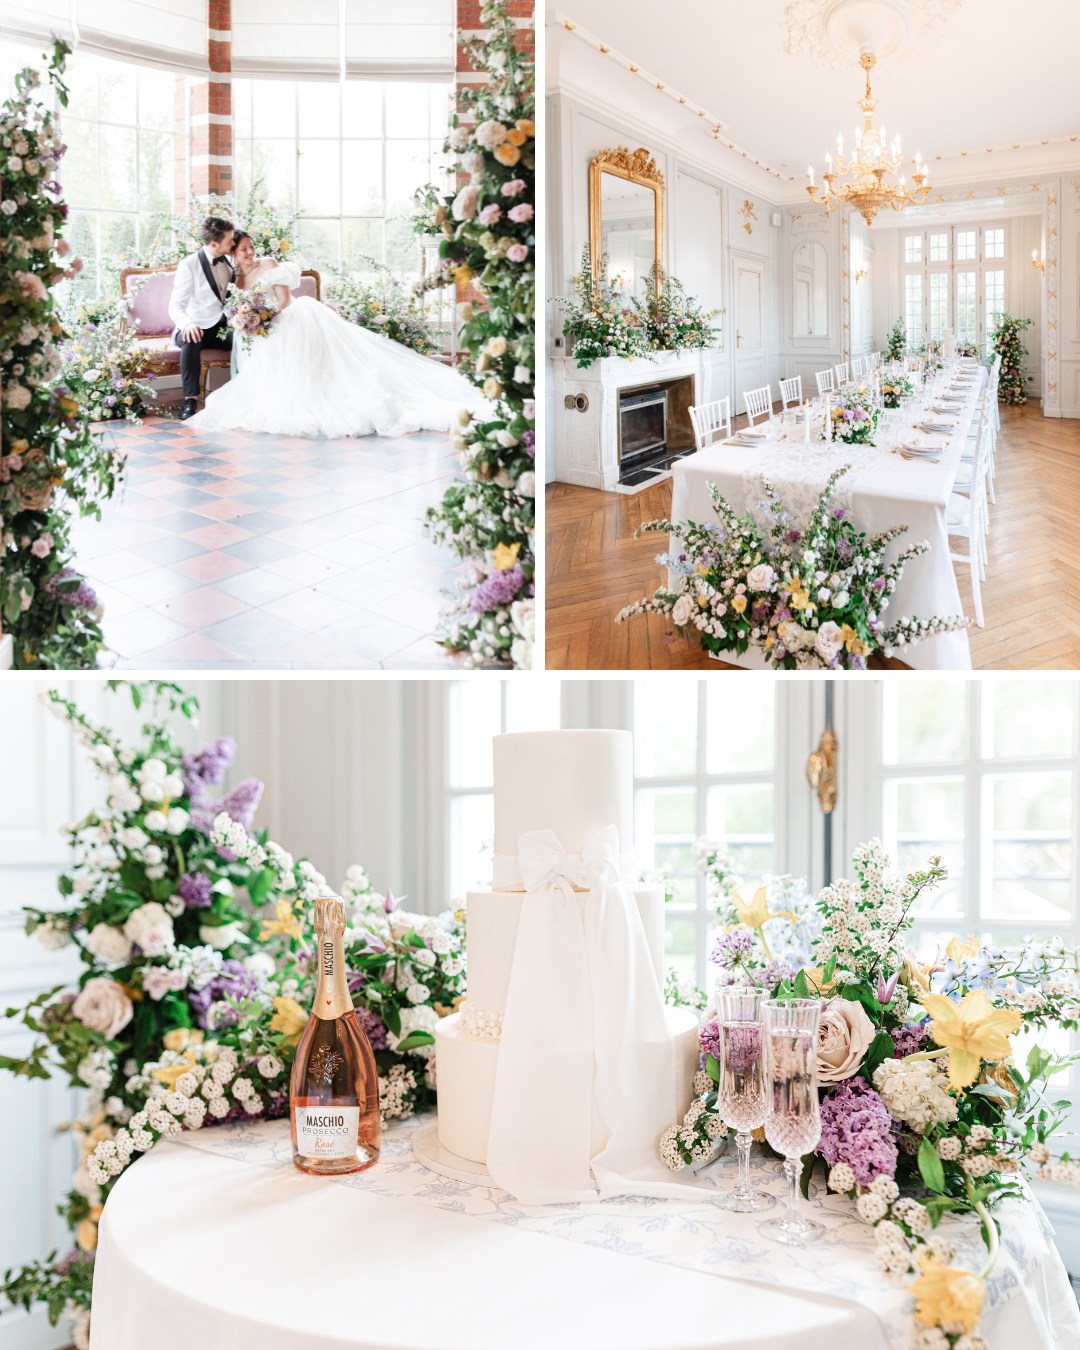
point(316, 374)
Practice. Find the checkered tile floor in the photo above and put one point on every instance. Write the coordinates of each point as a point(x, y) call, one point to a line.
point(241, 550)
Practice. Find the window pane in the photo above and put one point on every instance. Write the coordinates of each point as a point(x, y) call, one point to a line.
point(362, 186)
point(994, 243)
point(743, 817)
point(273, 163)
point(472, 831)
point(155, 170)
point(994, 293)
point(319, 108)
point(913, 307)
point(741, 727)
point(1022, 721)
point(913, 248)
point(408, 166)
point(117, 98)
point(665, 730)
point(402, 248)
point(273, 108)
point(320, 178)
point(533, 709)
point(967, 323)
point(939, 247)
point(475, 717)
point(406, 110)
point(1032, 847)
point(319, 242)
point(924, 817)
point(939, 305)
point(362, 108)
point(681, 947)
point(118, 169)
point(924, 721)
point(79, 167)
point(363, 241)
point(965, 246)
point(157, 100)
point(241, 108)
point(117, 242)
point(81, 234)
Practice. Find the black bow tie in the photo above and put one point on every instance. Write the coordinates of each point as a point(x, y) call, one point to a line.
point(222, 259)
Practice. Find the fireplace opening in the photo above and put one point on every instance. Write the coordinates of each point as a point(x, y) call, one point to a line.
point(654, 428)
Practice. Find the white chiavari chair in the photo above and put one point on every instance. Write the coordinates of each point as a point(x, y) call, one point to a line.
point(858, 367)
point(826, 382)
point(842, 373)
point(791, 391)
point(967, 516)
point(711, 422)
point(758, 403)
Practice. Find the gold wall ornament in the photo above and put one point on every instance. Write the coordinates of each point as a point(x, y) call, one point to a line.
point(747, 213)
point(821, 771)
point(636, 166)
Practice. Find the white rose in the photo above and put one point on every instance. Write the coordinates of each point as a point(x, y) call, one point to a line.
point(682, 611)
point(490, 134)
point(151, 928)
point(109, 945)
point(828, 641)
point(526, 484)
point(224, 935)
point(464, 207)
point(844, 1036)
point(53, 934)
point(177, 820)
point(761, 578)
point(103, 1006)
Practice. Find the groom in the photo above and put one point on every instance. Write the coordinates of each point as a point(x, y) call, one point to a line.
point(197, 305)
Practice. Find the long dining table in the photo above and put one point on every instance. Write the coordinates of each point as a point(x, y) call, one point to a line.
point(883, 489)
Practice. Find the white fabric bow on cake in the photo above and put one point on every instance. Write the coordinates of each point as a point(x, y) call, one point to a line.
point(585, 1082)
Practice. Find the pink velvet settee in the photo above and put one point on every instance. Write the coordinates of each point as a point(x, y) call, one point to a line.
point(148, 313)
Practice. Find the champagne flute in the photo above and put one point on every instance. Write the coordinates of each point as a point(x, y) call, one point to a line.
point(793, 1113)
point(741, 1094)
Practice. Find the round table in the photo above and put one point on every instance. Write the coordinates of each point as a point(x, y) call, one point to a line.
point(235, 1247)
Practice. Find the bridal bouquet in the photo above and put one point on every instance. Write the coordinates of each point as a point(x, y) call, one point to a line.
point(926, 1110)
point(854, 416)
point(198, 971)
point(803, 598)
point(250, 314)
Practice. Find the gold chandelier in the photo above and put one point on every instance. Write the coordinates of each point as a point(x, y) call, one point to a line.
point(870, 162)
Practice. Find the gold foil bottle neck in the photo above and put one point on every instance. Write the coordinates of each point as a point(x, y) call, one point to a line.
point(330, 914)
point(332, 998)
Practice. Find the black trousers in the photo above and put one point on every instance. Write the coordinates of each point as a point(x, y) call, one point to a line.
point(191, 361)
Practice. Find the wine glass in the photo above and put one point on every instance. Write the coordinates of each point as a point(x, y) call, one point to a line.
point(741, 1093)
point(793, 1114)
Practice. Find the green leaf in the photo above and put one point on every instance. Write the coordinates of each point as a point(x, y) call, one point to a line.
point(829, 970)
point(930, 1166)
point(881, 1049)
point(64, 884)
point(392, 1017)
point(712, 1068)
point(801, 985)
point(807, 1172)
point(414, 1039)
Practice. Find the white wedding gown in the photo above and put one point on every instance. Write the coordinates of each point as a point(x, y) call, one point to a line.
point(316, 374)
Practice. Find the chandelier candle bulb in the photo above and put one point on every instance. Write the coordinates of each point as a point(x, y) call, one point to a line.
point(334, 1088)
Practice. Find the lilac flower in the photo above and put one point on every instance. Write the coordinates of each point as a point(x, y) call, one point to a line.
point(206, 768)
point(909, 1039)
point(234, 982)
point(857, 1129)
point(879, 583)
point(759, 614)
point(729, 950)
point(529, 442)
point(709, 1038)
point(195, 890)
point(499, 589)
point(775, 973)
point(792, 537)
point(242, 802)
point(375, 1028)
point(844, 550)
point(83, 597)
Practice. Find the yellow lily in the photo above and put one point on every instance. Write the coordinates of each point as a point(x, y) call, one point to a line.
point(947, 1294)
point(797, 596)
point(757, 912)
point(286, 924)
point(504, 556)
point(181, 1038)
point(169, 1073)
point(289, 1018)
point(852, 641)
point(960, 950)
point(738, 603)
point(972, 1031)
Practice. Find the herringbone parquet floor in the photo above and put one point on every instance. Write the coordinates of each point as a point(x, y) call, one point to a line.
point(1031, 597)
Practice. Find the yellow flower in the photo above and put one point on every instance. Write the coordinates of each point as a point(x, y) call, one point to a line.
point(289, 1018)
point(285, 925)
point(462, 275)
point(973, 1030)
point(912, 973)
point(798, 597)
point(703, 600)
point(516, 136)
point(947, 1294)
point(283, 246)
point(852, 641)
point(504, 556)
point(507, 154)
point(757, 912)
point(86, 1235)
point(181, 1038)
point(960, 951)
point(525, 125)
point(169, 1073)
point(738, 603)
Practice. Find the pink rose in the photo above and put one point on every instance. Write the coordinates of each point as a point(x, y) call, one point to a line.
point(159, 981)
point(517, 253)
point(103, 1006)
point(844, 1036)
point(514, 188)
point(41, 548)
point(63, 248)
point(521, 213)
point(490, 214)
point(31, 286)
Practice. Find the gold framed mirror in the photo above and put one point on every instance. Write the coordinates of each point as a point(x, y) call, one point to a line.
point(626, 217)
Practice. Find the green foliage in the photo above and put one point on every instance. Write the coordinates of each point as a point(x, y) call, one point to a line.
point(381, 305)
point(673, 320)
point(598, 319)
point(1009, 345)
point(897, 340)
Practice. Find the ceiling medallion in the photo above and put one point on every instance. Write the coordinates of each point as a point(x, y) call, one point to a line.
point(833, 33)
point(870, 161)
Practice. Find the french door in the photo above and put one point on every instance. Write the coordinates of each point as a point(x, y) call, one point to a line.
point(953, 277)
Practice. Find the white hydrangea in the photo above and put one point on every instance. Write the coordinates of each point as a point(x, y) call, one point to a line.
point(415, 1019)
point(916, 1092)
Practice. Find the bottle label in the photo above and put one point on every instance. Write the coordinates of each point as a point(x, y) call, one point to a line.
point(327, 1131)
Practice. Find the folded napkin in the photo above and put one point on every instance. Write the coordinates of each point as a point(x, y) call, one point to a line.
point(934, 427)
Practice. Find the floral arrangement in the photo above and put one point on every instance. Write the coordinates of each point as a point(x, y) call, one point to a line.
point(925, 1112)
point(51, 463)
point(894, 387)
point(102, 361)
point(487, 239)
point(599, 320)
point(199, 970)
point(968, 349)
point(250, 314)
point(803, 598)
point(1008, 344)
point(854, 416)
point(896, 340)
point(674, 321)
point(384, 306)
point(273, 231)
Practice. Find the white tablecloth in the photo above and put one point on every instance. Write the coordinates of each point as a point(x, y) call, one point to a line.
point(882, 491)
point(214, 1240)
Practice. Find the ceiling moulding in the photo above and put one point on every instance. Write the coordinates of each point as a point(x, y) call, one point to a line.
point(835, 33)
point(712, 125)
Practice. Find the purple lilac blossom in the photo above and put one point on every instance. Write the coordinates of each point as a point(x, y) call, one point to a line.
point(499, 589)
point(233, 981)
point(242, 802)
point(206, 768)
point(709, 1039)
point(83, 597)
point(908, 1039)
point(858, 1130)
point(744, 1047)
point(529, 442)
point(195, 890)
point(374, 1027)
point(775, 973)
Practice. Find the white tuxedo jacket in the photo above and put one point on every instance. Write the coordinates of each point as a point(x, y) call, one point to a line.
point(195, 300)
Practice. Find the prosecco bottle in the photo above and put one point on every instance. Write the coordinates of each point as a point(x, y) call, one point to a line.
point(334, 1089)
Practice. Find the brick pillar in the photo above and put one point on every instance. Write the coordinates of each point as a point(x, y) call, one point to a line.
point(469, 24)
point(211, 166)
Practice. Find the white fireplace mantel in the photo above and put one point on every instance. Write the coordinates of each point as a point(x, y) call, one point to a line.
point(586, 412)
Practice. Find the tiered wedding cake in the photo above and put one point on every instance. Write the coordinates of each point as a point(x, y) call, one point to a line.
point(575, 785)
